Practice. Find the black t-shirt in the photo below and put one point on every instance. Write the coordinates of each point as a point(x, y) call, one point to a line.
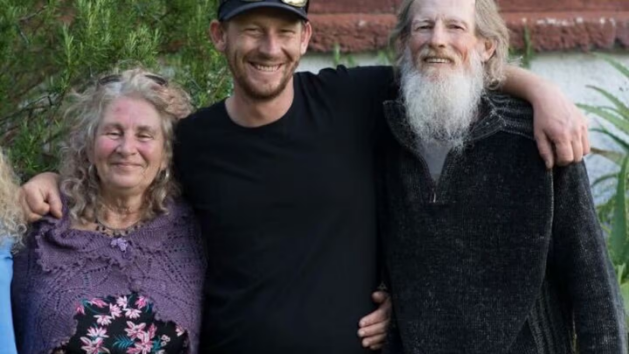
point(288, 211)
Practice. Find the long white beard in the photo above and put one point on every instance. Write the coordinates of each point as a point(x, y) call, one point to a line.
point(442, 109)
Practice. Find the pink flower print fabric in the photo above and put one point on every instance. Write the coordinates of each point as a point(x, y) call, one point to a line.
point(123, 325)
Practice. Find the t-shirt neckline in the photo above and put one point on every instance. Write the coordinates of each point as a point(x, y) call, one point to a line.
point(282, 120)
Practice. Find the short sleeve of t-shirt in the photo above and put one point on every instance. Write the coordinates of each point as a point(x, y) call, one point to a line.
point(362, 89)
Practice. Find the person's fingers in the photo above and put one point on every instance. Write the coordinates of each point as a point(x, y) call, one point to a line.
point(545, 150)
point(380, 314)
point(577, 138)
point(32, 217)
point(40, 196)
point(374, 341)
point(373, 330)
point(33, 205)
point(577, 150)
point(56, 208)
point(373, 327)
point(583, 130)
point(25, 210)
point(585, 140)
point(379, 296)
point(564, 154)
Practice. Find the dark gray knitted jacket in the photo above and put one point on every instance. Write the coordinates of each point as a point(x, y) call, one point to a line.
point(501, 256)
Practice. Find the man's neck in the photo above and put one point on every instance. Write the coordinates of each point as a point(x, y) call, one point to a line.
point(251, 113)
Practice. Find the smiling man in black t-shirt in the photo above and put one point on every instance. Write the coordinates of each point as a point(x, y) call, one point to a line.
point(284, 192)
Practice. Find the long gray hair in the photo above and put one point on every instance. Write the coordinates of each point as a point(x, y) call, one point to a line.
point(79, 180)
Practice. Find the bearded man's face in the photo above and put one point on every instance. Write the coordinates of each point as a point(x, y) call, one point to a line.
point(442, 69)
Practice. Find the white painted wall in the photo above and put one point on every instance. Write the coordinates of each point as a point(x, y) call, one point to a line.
point(571, 71)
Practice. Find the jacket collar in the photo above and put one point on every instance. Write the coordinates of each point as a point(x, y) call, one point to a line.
point(489, 124)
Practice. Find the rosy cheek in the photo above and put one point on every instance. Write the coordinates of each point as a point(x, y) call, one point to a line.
point(104, 146)
point(151, 149)
point(416, 41)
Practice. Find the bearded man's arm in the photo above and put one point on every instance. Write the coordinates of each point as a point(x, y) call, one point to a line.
point(561, 130)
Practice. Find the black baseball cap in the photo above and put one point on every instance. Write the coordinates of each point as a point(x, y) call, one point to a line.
point(230, 8)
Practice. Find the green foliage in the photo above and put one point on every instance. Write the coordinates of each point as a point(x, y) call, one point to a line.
point(613, 212)
point(342, 59)
point(48, 48)
point(384, 57)
point(524, 56)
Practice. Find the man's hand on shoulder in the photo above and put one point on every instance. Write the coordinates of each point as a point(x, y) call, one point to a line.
point(561, 129)
point(40, 196)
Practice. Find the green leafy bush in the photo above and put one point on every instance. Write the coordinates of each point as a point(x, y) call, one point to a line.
point(613, 211)
point(49, 47)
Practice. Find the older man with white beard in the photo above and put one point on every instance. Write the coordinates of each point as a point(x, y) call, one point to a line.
point(486, 250)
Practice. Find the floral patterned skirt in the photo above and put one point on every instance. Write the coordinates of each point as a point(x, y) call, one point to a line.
point(123, 325)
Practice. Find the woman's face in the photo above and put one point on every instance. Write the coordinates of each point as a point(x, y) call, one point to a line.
point(129, 147)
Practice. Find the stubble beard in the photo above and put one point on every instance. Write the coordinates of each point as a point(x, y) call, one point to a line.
point(258, 92)
point(441, 106)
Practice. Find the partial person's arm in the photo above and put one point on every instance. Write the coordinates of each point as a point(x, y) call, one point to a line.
point(373, 327)
point(40, 196)
point(582, 265)
point(558, 122)
point(7, 336)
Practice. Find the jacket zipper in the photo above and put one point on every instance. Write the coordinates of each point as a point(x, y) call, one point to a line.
point(433, 183)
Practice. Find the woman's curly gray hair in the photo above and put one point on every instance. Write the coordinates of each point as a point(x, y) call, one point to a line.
point(489, 26)
point(12, 220)
point(79, 180)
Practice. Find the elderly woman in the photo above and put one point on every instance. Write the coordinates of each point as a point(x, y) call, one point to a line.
point(11, 229)
point(122, 271)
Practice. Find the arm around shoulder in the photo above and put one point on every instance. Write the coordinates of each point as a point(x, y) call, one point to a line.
point(560, 127)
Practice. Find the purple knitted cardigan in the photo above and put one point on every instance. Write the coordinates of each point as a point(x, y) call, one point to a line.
point(164, 261)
